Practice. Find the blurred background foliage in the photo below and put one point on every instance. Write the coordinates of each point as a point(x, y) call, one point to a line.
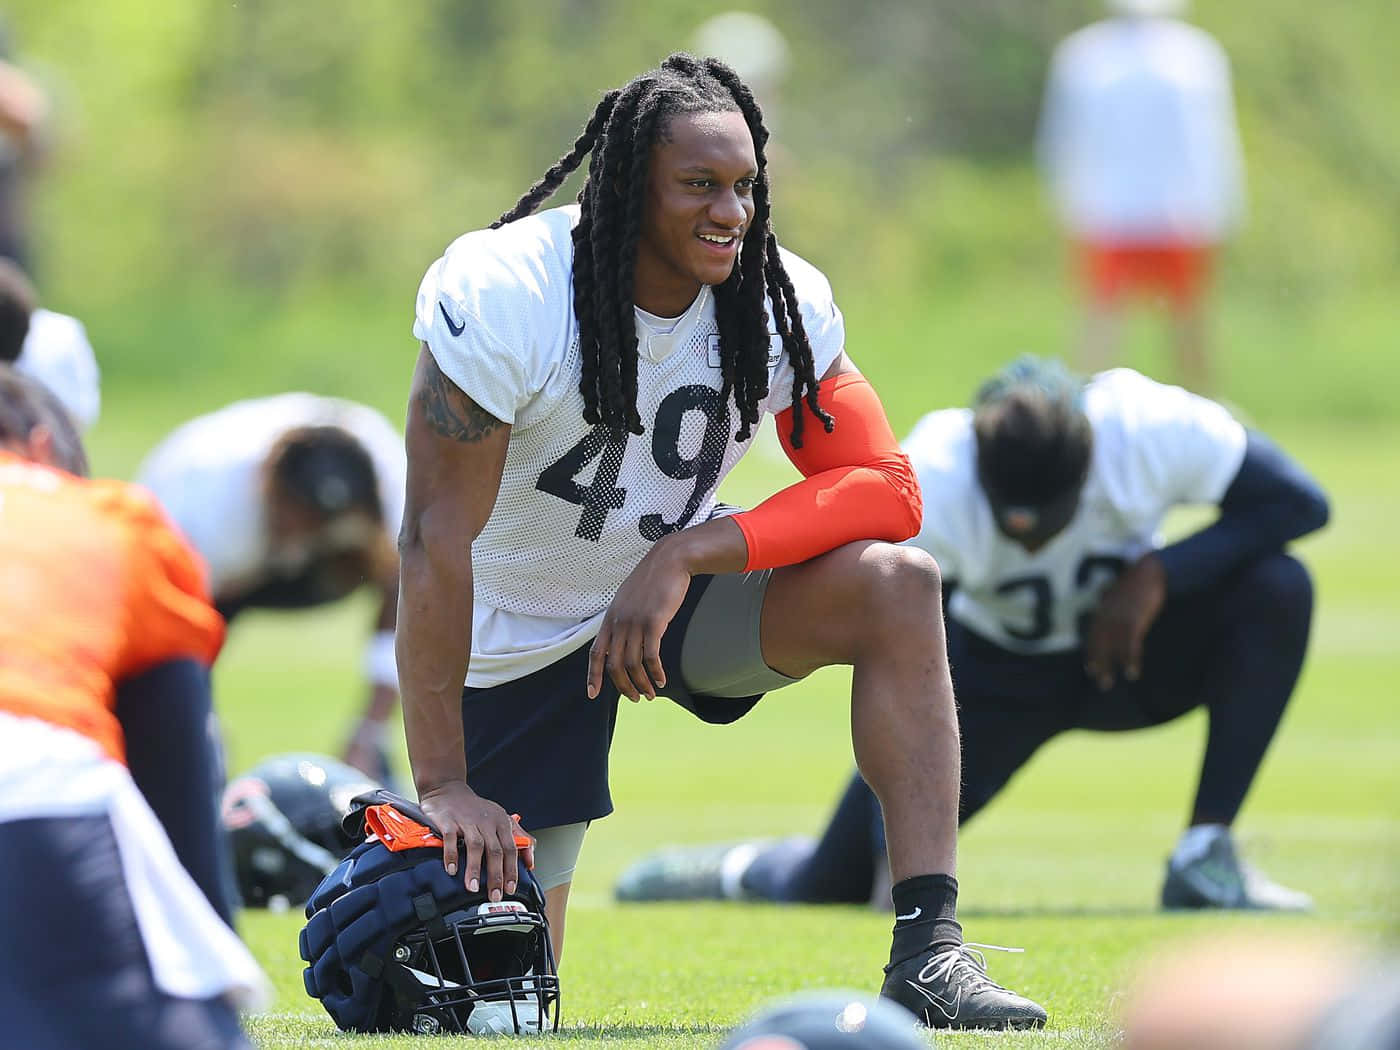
point(243, 194)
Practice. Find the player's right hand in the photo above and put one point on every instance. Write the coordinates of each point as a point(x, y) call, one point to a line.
point(1126, 612)
point(488, 853)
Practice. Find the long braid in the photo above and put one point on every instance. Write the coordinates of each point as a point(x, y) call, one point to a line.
point(620, 135)
point(763, 260)
point(616, 330)
point(794, 333)
point(643, 130)
point(584, 292)
point(565, 166)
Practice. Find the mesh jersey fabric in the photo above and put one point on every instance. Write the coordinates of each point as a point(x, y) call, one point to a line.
point(578, 507)
point(1155, 447)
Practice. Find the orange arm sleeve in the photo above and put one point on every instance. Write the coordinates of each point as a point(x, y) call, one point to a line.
point(858, 484)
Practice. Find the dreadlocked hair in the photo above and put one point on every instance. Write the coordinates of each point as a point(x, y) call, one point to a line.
point(618, 139)
point(1034, 441)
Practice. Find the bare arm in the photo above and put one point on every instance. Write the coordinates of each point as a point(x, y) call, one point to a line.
point(456, 452)
point(365, 748)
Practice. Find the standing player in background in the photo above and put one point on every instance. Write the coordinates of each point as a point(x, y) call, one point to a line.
point(50, 347)
point(1042, 507)
point(108, 936)
point(587, 377)
point(1139, 146)
point(292, 501)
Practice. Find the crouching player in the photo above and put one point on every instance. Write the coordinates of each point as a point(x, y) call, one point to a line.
point(111, 896)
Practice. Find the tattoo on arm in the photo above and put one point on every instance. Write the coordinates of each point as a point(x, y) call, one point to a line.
point(452, 413)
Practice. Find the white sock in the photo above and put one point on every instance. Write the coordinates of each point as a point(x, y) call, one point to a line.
point(732, 868)
point(1195, 843)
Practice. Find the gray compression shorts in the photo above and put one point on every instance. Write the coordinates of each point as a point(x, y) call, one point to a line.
point(556, 853)
point(721, 655)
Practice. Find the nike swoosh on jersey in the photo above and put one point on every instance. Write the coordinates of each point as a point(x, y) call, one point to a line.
point(910, 917)
point(456, 329)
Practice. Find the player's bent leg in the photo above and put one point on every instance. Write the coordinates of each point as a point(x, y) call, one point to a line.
point(1263, 614)
point(878, 608)
point(556, 858)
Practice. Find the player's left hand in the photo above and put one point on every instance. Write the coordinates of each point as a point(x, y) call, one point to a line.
point(1126, 612)
point(629, 643)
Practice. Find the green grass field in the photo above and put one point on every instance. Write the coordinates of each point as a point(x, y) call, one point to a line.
point(1066, 863)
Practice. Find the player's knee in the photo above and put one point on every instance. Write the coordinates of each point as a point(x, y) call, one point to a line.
point(1282, 582)
point(903, 582)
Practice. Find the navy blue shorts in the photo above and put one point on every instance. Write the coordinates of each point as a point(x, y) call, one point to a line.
point(539, 747)
point(73, 966)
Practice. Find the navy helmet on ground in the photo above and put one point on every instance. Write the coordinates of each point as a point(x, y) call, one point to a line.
point(829, 1020)
point(394, 943)
point(284, 821)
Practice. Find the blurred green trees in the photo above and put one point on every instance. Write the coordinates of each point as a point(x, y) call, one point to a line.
point(306, 160)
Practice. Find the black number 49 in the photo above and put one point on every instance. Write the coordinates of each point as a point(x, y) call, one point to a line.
point(602, 495)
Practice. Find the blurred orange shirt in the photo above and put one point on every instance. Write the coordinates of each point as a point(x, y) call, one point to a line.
point(95, 586)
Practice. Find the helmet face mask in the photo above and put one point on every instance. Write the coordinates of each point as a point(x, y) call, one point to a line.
point(489, 969)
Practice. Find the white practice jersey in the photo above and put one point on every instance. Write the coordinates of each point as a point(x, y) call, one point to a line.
point(208, 474)
point(1155, 447)
point(56, 352)
point(578, 507)
point(1138, 133)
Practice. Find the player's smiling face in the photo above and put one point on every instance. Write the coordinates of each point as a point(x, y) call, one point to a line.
point(698, 205)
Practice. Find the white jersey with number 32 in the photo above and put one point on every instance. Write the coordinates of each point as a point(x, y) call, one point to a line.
point(1155, 447)
point(578, 506)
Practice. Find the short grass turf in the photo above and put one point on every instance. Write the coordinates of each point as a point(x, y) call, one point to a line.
point(1066, 863)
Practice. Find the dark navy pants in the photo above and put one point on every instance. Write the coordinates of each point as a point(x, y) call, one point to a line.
point(74, 974)
point(1235, 648)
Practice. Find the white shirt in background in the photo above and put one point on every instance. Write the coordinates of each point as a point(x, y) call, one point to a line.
point(1138, 136)
point(56, 353)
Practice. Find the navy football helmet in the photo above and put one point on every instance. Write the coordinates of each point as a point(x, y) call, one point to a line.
point(394, 943)
point(833, 1020)
point(283, 818)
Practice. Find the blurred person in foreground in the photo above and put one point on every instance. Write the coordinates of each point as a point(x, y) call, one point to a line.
point(50, 347)
point(1042, 505)
point(1139, 146)
point(1252, 991)
point(113, 914)
point(587, 377)
point(292, 501)
point(828, 1020)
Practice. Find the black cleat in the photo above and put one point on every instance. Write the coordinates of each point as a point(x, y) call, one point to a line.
point(1219, 879)
point(948, 987)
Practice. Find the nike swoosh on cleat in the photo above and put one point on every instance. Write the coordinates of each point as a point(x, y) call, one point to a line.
point(937, 1001)
point(910, 917)
point(456, 329)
